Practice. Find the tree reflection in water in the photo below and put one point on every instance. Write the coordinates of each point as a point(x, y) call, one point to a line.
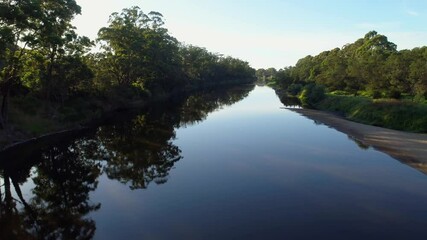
point(135, 152)
point(60, 202)
point(62, 185)
point(140, 152)
point(143, 151)
point(11, 217)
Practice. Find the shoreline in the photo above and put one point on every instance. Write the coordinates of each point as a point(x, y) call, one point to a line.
point(408, 148)
point(11, 138)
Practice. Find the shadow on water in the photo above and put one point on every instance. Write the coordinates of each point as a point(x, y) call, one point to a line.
point(359, 143)
point(290, 101)
point(134, 148)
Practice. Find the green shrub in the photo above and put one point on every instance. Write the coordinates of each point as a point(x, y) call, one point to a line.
point(294, 89)
point(312, 94)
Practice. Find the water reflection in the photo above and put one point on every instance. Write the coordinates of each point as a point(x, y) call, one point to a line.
point(12, 225)
point(359, 143)
point(135, 152)
point(60, 203)
point(141, 152)
point(290, 101)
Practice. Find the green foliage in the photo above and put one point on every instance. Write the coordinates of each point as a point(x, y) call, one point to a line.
point(312, 94)
point(295, 89)
point(43, 59)
point(372, 68)
point(395, 114)
point(139, 51)
point(340, 92)
point(35, 36)
point(370, 65)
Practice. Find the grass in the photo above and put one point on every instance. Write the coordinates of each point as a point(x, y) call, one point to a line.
point(31, 122)
point(35, 117)
point(395, 114)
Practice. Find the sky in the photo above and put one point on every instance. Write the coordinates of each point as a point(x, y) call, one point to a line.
point(272, 33)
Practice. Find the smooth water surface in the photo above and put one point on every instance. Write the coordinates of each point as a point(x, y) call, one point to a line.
point(218, 165)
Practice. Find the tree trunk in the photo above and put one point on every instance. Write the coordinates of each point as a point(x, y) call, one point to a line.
point(21, 197)
point(4, 109)
point(7, 193)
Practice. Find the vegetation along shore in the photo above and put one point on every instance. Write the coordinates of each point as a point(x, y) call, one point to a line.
point(52, 79)
point(367, 81)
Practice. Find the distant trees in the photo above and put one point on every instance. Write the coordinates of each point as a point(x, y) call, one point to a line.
point(138, 51)
point(371, 65)
point(203, 67)
point(42, 55)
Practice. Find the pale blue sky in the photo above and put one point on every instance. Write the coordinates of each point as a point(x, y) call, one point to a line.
point(272, 33)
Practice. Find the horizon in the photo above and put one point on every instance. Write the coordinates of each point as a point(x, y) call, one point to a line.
point(276, 34)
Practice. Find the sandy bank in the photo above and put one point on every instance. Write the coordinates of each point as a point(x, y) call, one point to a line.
point(408, 148)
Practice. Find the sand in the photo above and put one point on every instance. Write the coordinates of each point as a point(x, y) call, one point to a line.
point(408, 148)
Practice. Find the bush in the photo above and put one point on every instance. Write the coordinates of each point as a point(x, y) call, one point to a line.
point(420, 98)
point(312, 94)
point(294, 89)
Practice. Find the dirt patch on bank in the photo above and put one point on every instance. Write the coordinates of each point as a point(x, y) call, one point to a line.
point(408, 148)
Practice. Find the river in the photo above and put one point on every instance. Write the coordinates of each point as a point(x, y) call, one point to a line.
point(222, 164)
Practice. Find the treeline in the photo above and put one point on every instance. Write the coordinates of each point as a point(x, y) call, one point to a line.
point(371, 66)
point(360, 81)
point(43, 59)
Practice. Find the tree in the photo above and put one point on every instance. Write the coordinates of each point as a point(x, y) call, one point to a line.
point(138, 51)
point(18, 24)
point(41, 25)
point(333, 70)
point(54, 37)
point(418, 72)
point(367, 64)
point(198, 64)
point(397, 72)
point(371, 57)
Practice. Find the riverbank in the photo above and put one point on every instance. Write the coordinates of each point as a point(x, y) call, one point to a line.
point(408, 148)
point(16, 135)
point(28, 124)
point(403, 115)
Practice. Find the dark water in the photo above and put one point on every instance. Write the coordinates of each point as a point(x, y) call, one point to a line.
point(218, 165)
